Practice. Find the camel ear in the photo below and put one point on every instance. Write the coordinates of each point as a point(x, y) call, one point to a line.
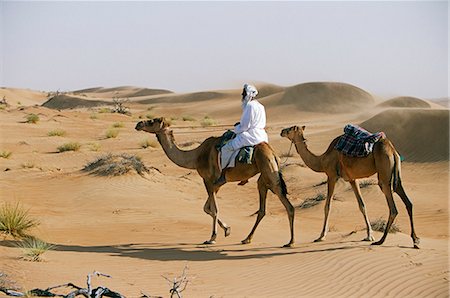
point(303, 128)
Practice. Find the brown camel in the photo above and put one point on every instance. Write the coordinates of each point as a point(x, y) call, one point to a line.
point(204, 159)
point(384, 161)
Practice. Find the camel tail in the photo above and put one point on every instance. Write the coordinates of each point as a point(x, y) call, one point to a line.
point(282, 184)
point(396, 177)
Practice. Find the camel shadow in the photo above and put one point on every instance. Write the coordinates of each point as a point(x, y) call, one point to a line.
point(198, 252)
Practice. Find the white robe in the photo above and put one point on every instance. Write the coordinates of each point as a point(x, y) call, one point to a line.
point(249, 132)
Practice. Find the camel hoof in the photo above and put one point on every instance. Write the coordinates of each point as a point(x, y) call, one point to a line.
point(369, 239)
point(227, 231)
point(416, 246)
point(289, 245)
point(319, 240)
point(377, 243)
point(246, 241)
point(209, 242)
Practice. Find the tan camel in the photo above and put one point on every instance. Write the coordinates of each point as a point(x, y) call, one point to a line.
point(204, 159)
point(384, 161)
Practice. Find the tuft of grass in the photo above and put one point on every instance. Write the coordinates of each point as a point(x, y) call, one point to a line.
point(207, 121)
point(116, 165)
point(5, 154)
point(28, 165)
point(111, 133)
point(149, 116)
point(118, 125)
point(72, 146)
point(56, 133)
point(148, 143)
point(379, 225)
point(32, 118)
point(94, 146)
point(367, 182)
point(33, 248)
point(93, 116)
point(105, 110)
point(312, 201)
point(15, 221)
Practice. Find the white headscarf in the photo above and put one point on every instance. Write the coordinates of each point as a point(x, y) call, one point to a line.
point(250, 92)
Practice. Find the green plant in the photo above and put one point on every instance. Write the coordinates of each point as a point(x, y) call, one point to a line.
point(33, 248)
point(15, 221)
point(32, 118)
point(56, 133)
point(72, 146)
point(5, 154)
point(111, 133)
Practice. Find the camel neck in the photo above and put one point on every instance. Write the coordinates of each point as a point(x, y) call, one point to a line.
point(183, 158)
point(311, 160)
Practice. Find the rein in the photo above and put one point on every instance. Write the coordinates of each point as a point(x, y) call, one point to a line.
point(289, 153)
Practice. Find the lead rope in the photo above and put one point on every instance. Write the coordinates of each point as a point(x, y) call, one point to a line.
point(289, 153)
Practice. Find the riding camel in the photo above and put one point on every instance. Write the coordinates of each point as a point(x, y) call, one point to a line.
point(384, 161)
point(204, 159)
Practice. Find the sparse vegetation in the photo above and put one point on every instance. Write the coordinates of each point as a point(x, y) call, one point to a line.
point(207, 121)
point(56, 133)
point(33, 248)
point(312, 201)
point(93, 116)
point(72, 146)
point(149, 116)
point(380, 225)
point(148, 143)
point(367, 182)
point(105, 110)
point(118, 125)
point(188, 118)
point(119, 106)
point(111, 133)
point(116, 165)
point(32, 118)
point(28, 165)
point(5, 154)
point(94, 146)
point(15, 221)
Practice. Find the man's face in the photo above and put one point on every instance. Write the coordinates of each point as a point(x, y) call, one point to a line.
point(244, 94)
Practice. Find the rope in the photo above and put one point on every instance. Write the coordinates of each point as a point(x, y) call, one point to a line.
point(289, 153)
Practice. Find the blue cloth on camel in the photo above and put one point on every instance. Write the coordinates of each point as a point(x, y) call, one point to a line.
point(356, 141)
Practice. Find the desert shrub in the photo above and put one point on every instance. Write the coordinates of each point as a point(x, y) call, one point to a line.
point(5, 154)
point(93, 116)
point(148, 143)
point(380, 225)
point(94, 146)
point(149, 116)
point(119, 105)
point(56, 133)
point(72, 146)
point(116, 165)
point(111, 133)
point(28, 165)
point(118, 125)
point(367, 182)
point(312, 201)
point(33, 248)
point(15, 221)
point(32, 118)
point(105, 110)
point(207, 121)
point(188, 118)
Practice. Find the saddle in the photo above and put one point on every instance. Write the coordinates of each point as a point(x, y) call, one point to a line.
point(245, 154)
point(357, 142)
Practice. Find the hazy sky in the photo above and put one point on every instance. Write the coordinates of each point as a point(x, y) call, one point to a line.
point(386, 48)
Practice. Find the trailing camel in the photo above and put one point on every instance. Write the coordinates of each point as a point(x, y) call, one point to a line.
point(383, 161)
point(204, 159)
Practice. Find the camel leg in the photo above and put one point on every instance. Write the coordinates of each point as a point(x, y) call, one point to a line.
point(262, 188)
point(291, 214)
point(362, 208)
point(401, 192)
point(331, 183)
point(386, 188)
point(210, 208)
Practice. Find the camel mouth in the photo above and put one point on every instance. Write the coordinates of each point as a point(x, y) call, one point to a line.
point(139, 125)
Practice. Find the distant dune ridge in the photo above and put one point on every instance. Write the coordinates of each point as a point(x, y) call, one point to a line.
point(420, 135)
point(124, 91)
point(61, 102)
point(329, 97)
point(405, 102)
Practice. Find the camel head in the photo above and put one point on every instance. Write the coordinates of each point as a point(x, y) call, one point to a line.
point(292, 131)
point(153, 126)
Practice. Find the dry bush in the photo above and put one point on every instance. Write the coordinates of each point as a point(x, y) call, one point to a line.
point(118, 125)
point(116, 165)
point(111, 133)
point(188, 118)
point(119, 106)
point(15, 221)
point(367, 182)
point(5, 154)
point(312, 201)
point(32, 118)
point(72, 146)
point(207, 121)
point(56, 133)
point(379, 225)
point(149, 143)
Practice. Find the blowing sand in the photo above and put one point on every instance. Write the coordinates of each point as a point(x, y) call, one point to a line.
point(140, 228)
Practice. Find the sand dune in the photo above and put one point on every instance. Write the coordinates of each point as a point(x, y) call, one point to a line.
point(418, 135)
point(327, 97)
point(61, 102)
point(122, 92)
point(137, 228)
point(405, 102)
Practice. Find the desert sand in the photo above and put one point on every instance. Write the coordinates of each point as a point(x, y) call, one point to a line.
point(140, 228)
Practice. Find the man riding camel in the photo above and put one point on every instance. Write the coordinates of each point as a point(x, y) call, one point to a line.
point(250, 130)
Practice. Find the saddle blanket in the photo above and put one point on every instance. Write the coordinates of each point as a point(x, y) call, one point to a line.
point(243, 155)
point(357, 142)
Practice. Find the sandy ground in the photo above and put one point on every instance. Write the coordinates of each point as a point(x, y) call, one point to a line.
point(140, 228)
